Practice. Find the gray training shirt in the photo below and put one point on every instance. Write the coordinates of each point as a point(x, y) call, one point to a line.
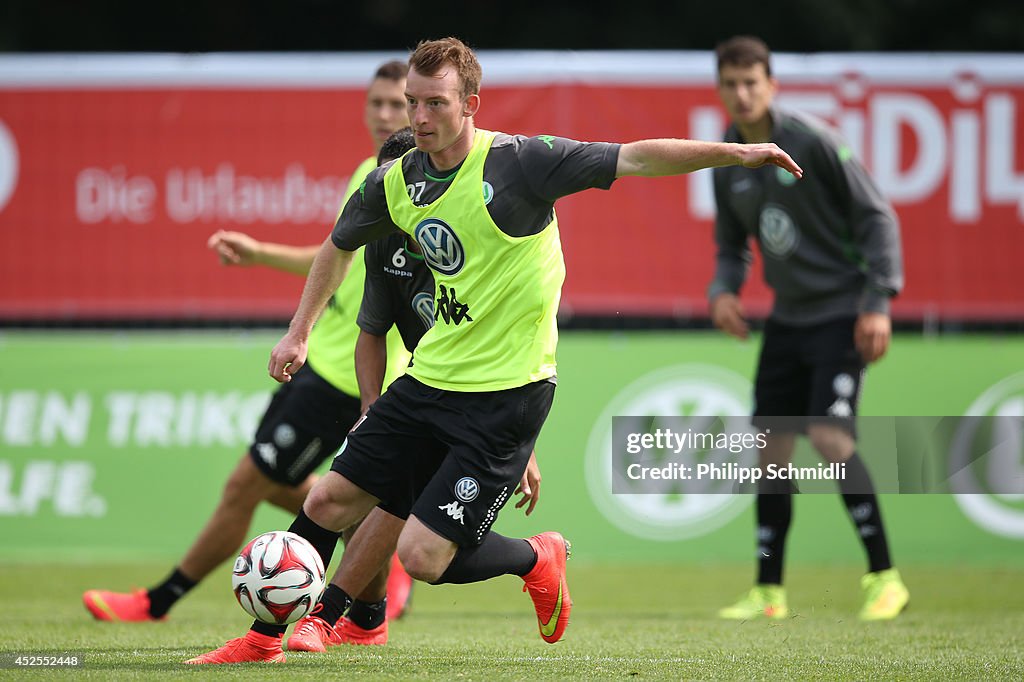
point(399, 290)
point(830, 241)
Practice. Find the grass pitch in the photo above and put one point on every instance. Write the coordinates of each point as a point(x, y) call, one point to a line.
point(641, 621)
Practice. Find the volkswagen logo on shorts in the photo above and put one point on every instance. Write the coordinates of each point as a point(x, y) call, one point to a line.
point(466, 489)
point(441, 248)
point(423, 304)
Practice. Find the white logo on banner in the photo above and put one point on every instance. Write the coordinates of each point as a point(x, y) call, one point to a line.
point(66, 487)
point(700, 390)
point(8, 165)
point(1003, 442)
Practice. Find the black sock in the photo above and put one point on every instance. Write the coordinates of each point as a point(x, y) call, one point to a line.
point(496, 555)
point(268, 629)
point(862, 505)
point(333, 604)
point(774, 513)
point(324, 541)
point(163, 596)
point(368, 615)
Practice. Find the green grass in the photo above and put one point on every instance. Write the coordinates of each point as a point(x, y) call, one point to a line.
point(647, 622)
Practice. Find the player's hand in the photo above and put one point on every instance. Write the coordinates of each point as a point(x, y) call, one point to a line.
point(768, 153)
point(727, 315)
point(872, 334)
point(234, 248)
point(287, 358)
point(529, 486)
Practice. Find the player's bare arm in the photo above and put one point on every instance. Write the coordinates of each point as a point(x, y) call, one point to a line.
point(238, 248)
point(371, 363)
point(653, 158)
point(329, 269)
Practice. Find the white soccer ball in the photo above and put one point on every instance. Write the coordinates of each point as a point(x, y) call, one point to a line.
point(278, 578)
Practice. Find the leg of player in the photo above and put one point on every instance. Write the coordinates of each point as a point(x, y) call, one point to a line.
point(334, 503)
point(767, 599)
point(224, 533)
point(539, 561)
point(885, 595)
point(360, 572)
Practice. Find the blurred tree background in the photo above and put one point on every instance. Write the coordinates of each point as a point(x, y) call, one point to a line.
point(340, 25)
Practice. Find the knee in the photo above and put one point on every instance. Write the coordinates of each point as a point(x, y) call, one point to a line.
point(832, 443)
point(321, 501)
point(419, 562)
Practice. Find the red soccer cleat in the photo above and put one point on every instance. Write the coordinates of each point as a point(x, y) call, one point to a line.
point(118, 606)
point(399, 590)
point(252, 648)
point(312, 633)
point(350, 633)
point(547, 585)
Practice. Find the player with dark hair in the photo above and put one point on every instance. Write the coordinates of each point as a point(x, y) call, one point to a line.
point(305, 422)
point(831, 248)
point(481, 206)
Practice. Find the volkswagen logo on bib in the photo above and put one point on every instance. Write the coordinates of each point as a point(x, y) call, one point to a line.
point(441, 248)
point(466, 489)
point(423, 304)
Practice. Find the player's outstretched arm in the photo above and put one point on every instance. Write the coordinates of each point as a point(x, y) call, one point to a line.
point(238, 248)
point(652, 158)
point(329, 269)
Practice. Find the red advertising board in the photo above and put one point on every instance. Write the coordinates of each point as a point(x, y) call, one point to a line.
point(113, 173)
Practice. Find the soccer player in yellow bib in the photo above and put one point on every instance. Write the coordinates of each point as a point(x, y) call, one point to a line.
point(481, 206)
point(306, 421)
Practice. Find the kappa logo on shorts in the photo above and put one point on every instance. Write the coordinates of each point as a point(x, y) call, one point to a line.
point(268, 453)
point(840, 408)
point(454, 510)
point(466, 489)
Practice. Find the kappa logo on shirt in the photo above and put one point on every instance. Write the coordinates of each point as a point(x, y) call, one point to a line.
point(742, 185)
point(449, 308)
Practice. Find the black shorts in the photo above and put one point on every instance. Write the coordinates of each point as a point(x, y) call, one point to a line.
point(307, 421)
point(813, 372)
point(452, 459)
